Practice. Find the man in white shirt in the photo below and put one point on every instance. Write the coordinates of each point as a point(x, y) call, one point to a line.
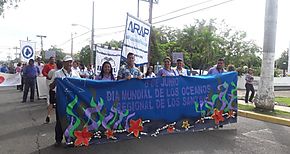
point(66, 71)
point(179, 68)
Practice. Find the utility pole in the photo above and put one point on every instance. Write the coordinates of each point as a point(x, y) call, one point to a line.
point(138, 6)
point(92, 37)
point(41, 42)
point(16, 54)
point(71, 45)
point(150, 11)
point(289, 60)
point(265, 96)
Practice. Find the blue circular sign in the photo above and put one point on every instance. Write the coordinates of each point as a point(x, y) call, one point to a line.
point(27, 52)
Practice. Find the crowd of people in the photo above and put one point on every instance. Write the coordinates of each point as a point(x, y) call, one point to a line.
point(70, 68)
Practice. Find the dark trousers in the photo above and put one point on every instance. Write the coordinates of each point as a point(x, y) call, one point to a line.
point(58, 130)
point(29, 84)
point(249, 87)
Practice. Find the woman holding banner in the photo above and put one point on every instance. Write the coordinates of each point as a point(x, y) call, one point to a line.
point(166, 71)
point(106, 72)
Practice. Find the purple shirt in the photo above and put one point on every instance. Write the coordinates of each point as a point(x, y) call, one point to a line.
point(30, 71)
point(105, 78)
point(164, 72)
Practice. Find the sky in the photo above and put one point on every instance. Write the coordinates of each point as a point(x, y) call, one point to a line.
point(54, 19)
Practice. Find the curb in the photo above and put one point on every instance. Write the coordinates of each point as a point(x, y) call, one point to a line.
point(262, 117)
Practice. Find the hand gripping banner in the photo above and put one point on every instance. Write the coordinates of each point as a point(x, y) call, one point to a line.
point(105, 111)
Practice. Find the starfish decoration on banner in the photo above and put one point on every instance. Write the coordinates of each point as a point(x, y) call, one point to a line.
point(231, 114)
point(170, 129)
point(185, 124)
point(83, 137)
point(136, 127)
point(217, 116)
point(110, 134)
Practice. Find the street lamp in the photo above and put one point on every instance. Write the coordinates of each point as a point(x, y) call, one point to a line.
point(92, 35)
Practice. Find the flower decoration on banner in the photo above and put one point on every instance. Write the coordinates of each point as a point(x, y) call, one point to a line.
point(217, 116)
point(170, 129)
point(231, 114)
point(110, 134)
point(83, 137)
point(185, 124)
point(136, 127)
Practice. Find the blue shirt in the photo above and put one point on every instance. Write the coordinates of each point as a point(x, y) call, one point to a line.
point(30, 71)
point(4, 69)
point(214, 70)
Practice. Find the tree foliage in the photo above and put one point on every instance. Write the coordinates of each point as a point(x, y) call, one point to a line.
point(282, 62)
point(6, 4)
point(84, 55)
point(203, 43)
point(58, 52)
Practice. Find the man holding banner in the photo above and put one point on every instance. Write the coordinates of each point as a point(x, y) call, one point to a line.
point(66, 71)
point(129, 71)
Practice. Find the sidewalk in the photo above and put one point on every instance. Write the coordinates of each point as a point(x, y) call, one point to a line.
point(276, 107)
point(263, 117)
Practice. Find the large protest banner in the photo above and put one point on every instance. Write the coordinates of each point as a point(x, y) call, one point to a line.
point(10, 79)
point(105, 111)
point(136, 39)
point(110, 55)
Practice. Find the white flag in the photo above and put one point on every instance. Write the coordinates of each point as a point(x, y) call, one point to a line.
point(136, 39)
point(27, 50)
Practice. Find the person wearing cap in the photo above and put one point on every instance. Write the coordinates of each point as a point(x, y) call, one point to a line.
point(129, 71)
point(48, 67)
point(167, 70)
point(179, 68)
point(66, 71)
point(30, 73)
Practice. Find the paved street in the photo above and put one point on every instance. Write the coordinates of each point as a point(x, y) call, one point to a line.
point(22, 131)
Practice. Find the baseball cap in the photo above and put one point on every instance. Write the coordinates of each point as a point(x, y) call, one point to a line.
point(67, 58)
point(179, 59)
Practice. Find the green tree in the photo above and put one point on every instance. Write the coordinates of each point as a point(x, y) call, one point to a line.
point(282, 62)
point(84, 55)
point(114, 44)
point(58, 52)
point(6, 4)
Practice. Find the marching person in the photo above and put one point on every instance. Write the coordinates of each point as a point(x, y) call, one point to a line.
point(106, 72)
point(167, 70)
point(150, 73)
point(52, 98)
point(47, 67)
point(30, 73)
point(66, 71)
point(179, 69)
point(130, 70)
point(249, 86)
point(218, 68)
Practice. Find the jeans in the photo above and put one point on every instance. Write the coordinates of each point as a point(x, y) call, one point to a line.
point(29, 84)
point(249, 87)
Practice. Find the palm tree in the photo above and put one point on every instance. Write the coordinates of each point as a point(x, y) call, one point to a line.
point(265, 96)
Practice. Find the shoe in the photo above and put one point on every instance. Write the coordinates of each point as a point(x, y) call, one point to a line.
point(31, 100)
point(23, 102)
point(47, 120)
point(57, 144)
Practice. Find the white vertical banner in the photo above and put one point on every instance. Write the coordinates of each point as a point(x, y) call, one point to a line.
point(136, 39)
point(112, 56)
point(27, 50)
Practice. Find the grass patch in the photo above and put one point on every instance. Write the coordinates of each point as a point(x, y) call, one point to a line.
point(283, 100)
point(276, 113)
